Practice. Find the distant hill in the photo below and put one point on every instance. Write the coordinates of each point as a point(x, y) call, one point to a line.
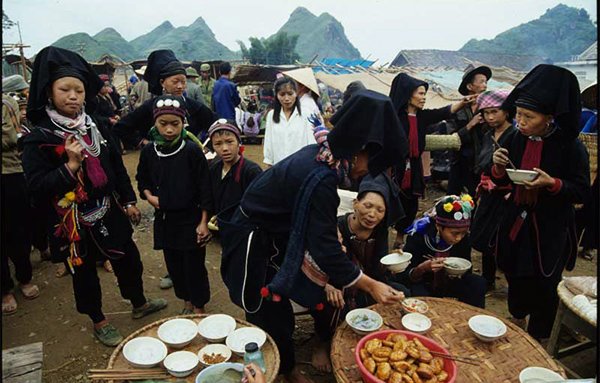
point(558, 34)
point(322, 35)
point(93, 50)
point(194, 42)
point(112, 40)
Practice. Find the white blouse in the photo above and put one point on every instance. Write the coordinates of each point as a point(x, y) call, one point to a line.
point(287, 136)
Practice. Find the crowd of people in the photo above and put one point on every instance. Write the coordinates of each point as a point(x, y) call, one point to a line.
point(62, 160)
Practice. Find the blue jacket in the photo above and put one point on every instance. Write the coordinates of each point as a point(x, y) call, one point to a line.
point(225, 98)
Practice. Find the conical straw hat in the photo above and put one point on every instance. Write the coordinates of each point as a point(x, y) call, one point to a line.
point(306, 77)
point(589, 96)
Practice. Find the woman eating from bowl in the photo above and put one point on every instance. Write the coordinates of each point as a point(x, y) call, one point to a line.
point(364, 234)
point(491, 197)
point(536, 238)
point(280, 243)
point(434, 238)
point(75, 173)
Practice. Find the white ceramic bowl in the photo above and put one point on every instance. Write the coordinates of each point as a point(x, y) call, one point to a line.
point(181, 363)
point(458, 268)
point(417, 323)
point(216, 348)
point(144, 352)
point(538, 375)
point(354, 317)
point(215, 328)
point(237, 340)
point(518, 176)
point(177, 333)
point(396, 262)
point(208, 374)
point(487, 328)
point(412, 305)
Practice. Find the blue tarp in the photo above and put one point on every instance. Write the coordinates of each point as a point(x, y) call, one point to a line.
point(341, 62)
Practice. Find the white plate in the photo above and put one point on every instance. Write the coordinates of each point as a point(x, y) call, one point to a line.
point(215, 328)
point(237, 340)
point(538, 375)
point(417, 323)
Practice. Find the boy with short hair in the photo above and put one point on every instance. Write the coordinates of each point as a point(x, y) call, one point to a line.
point(231, 173)
point(173, 177)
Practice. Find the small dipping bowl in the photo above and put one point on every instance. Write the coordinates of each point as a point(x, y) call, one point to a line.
point(237, 340)
point(538, 375)
point(413, 305)
point(215, 328)
point(216, 348)
point(376, 320)
point(396, 262)
point(417, 323)
point(487, 328)
point(518, 176)
point(177, 333)
point(181, 363)
point(462, 264)
point(144, 352)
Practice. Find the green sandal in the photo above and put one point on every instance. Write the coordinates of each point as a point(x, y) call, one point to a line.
point(153, 306)
point(108, 335)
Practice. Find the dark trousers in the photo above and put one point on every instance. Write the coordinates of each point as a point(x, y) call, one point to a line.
point(411, 207)
point(537, 297)
point(277, 319)
point(488, 263)
point(86, 284)
point(188, 273)
point(15, 242)
point(462, 177)
point(469, 289)
point(37, 222)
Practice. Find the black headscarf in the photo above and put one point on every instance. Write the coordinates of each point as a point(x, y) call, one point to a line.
point(388, 189)
point(368, 119)
point(161, 64)
point(352, 88)
point(403, 87)
point(52, 63)
point(552, 90)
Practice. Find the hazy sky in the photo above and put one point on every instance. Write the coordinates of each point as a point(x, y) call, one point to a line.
point(377, 27)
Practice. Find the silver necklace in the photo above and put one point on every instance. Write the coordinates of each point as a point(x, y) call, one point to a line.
point(96, 138)
point(161, 154)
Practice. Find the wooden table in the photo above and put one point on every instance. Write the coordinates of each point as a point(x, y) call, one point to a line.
point(502, 360)
point(570, 317)
point(269, 349)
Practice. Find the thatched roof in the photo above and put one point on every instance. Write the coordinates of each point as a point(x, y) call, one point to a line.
point(258, 74)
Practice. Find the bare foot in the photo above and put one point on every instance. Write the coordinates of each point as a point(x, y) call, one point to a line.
point(295, 376)
point(320, 357)
point(108, 267)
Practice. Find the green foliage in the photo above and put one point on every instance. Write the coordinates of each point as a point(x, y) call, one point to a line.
point(322, 35)
point(558, 34)
point(278, 50)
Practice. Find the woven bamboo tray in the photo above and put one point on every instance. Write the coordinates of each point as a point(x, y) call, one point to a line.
point(591, 143)
point(502, 360)
point(269, 349)
point(566, 296)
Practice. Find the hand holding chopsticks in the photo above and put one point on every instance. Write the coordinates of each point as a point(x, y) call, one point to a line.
point(501, 155)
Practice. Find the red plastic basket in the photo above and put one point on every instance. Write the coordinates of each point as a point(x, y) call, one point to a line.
point(449, 365)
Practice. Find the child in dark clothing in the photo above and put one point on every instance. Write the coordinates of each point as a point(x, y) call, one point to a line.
point(231, 173)
point(173, 177)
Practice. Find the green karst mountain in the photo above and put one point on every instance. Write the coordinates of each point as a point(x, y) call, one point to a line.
point(144, 42)
point(92, 49)
point(558, 34)
point(322, 35)
point(117, 45)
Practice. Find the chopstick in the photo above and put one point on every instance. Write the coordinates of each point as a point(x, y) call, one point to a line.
point(499, 147)
point(146, 374)
point(462, 359)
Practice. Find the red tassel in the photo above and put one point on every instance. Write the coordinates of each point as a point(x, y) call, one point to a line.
point(264, 292)
point(276, 298)
point(406, 180)
point(320, 307)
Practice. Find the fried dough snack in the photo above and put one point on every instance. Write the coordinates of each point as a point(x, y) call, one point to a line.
point(399, 360)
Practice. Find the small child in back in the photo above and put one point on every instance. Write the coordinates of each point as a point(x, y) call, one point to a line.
point(231, 173)
point(173, 177)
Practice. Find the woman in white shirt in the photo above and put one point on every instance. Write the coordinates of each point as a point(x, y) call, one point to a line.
point(288, 129)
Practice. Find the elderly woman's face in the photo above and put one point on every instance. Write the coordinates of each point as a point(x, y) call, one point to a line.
point(369, 210)
point(68, 95)
point(419, 97)
point(532, 123)
point(174, 85)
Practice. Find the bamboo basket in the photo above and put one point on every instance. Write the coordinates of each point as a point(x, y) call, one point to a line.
point(442, 142)
point(566, 296)
point(591, 143)
point(269, 349)
point(501, 360)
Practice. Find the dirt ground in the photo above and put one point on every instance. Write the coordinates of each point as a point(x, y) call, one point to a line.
point(70, 348)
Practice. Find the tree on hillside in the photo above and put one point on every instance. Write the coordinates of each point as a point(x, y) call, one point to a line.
point(278, 50)
point(7, 23)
